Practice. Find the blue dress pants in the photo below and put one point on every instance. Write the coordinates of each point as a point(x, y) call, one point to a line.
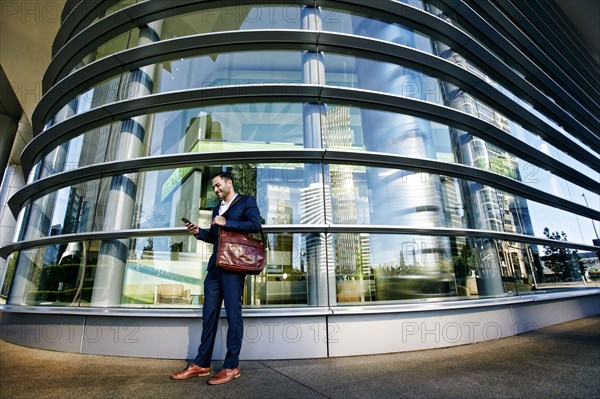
point(221, 285)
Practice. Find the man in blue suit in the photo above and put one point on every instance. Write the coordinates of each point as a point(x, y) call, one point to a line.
point(239, 213)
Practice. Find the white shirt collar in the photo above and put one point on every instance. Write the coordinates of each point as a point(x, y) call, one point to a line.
point(225, 205)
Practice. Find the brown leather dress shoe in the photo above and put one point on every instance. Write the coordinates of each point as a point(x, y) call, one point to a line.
point(225, 375)
point(191, 371)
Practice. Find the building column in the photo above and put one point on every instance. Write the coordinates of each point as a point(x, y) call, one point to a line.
point(120, 202)
point(12, 181)
point(320, 264)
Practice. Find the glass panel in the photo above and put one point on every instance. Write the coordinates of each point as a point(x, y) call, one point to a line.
point(114, 45)
point(169, 271)
point(116, 207)
point(591, 263)
point(119, 6)
point(210, 71)
point(217, 128)
point(564, 267)
point(68, 210)
point(164, 271)
point(400, 267)
point(200, 22)
point(385, 77)
point(9, 274)
point(576, 228)
point(227, 69)
point(54, 162)
point(298, 194)
point(358, 194)
point(356, 24)
point(229, 127)
point(291, 276)
point(232, 18)
point(392, 267)
point(538, 143)
point(56, 275)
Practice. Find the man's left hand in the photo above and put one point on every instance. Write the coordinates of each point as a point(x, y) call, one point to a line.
point(219, 221)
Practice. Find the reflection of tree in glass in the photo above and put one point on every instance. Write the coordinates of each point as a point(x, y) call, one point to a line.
point(245, 184)
point(402, 261)
point(467, 262)
point(8, 277)
point(565, 263)
point(245, 179)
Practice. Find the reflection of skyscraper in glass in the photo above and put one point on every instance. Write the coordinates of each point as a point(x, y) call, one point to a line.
point(337, 133)
point(453, 210)
point(487, 207)
point(315, 208)
point(280, 211)
point(200, 128)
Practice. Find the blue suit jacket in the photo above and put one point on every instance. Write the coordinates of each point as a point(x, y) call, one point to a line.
point(243, 217)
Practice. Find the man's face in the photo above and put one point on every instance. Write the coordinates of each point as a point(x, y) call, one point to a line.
point(222, 187)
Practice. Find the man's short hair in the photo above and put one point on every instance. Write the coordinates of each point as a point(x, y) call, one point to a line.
point(226, 176)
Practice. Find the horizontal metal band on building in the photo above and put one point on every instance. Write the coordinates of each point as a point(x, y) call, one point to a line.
point(340, 309)
point(540, 20)
point(417, 19)
point(225, 42)
point(526, 30)
point(6, 250)
point(530, 32)
point(50, 184)
point(291, 93)
point(469, 82)
point(185, 311)
point(493, 39)
point(480, 56)
point(76, 16)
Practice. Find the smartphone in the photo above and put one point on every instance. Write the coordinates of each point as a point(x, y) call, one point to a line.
point(186, 221)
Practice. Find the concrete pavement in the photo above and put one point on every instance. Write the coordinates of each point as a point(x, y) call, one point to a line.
point(561, 361)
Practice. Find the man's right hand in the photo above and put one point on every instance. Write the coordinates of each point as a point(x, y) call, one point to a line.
point(192, 228)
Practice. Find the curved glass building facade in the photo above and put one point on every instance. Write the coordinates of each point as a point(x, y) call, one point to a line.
point(407, 157)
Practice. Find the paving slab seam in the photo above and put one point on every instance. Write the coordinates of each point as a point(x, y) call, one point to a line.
point(295, 380)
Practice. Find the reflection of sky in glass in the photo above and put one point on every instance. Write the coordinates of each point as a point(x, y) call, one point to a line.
point(536, 142)
point(541, 116)
point(578, 228)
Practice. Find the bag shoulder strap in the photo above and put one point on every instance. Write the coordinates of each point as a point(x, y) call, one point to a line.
point(262, 235)
point(237, 198)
